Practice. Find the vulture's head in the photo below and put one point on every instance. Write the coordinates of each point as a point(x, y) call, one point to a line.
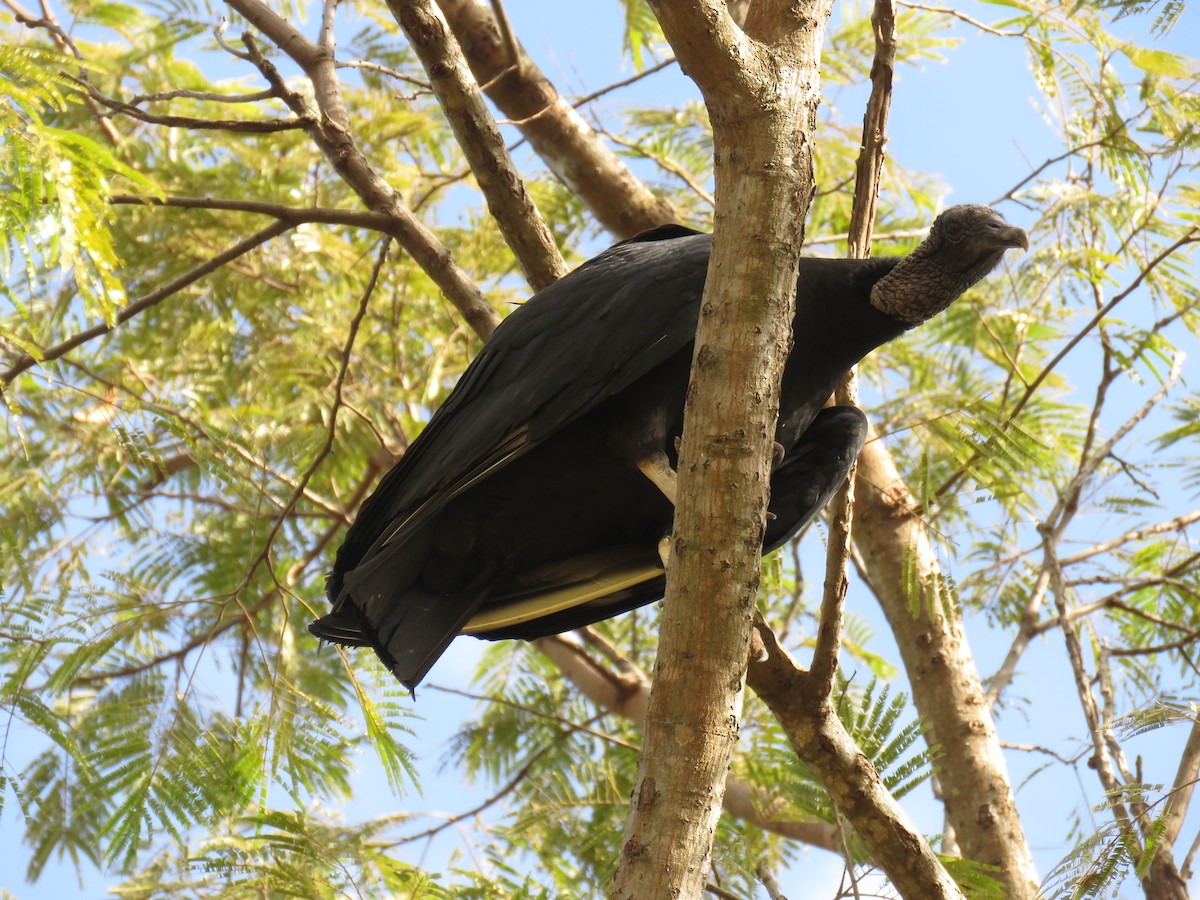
point(965, 243)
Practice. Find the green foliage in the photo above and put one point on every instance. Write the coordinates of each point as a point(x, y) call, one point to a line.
point(643, 36)
point(54, 209)
point(1100, 861)
point(977, 881)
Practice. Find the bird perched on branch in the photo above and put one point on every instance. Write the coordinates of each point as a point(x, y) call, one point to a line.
point(535, 500)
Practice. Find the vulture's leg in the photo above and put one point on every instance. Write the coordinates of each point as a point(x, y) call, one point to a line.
point(658, 469)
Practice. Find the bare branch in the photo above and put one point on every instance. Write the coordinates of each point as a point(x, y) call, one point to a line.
point(763, 871)
point(559, 135)
point(1051, 529)
point(219, 34)
point(1176, 524)
point(862, 220)
point(210, 97)
point(852, 782)
point(897, 553)
point(729, 420)
point(508, 201)
point(292, 215)
point(1113, 601)
point(328, 17)
point(540, 714)
point(507, 788)
point(869, 165)
point(238, 126)
point(384, 70)
point(624, 83)
point(712, 50)
point(663, 163)
point(330, 133)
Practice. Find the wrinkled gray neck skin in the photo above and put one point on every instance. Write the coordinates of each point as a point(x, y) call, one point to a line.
point(951, 259)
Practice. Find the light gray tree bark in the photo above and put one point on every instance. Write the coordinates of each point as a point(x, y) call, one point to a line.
point(761, 86)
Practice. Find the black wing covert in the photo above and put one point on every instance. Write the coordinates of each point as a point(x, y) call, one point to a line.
point(566, 350)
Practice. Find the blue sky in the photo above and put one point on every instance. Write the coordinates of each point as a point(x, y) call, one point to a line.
point(974, 123)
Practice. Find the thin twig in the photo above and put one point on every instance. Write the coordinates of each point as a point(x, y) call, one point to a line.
point(551, 717)
point(663, 163)
point(1176, 524)
point(183, 93)
point(507, 788)
point(239, 126)
point(219, 33)
point(384, 70)
point(617, 85)
point(331, 431)
point(293, 215)
point(763, 871)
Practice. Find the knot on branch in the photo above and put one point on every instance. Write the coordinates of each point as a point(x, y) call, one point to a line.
point(898, 501)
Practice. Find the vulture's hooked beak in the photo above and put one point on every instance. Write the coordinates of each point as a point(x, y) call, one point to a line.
point(1012, 236)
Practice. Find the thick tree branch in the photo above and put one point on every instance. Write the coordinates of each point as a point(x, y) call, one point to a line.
point(821, 740)
point(895, 548)
point(330, 132)
point(712, 50)
point(627, 692)
point(762, 119)
point(508, 201)
point(1183, 786)
point(559, 135)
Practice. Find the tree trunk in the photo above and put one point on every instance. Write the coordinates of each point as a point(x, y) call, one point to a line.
point(761, 88)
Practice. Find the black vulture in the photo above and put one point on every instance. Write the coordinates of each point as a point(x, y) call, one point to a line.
point(523, 509)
